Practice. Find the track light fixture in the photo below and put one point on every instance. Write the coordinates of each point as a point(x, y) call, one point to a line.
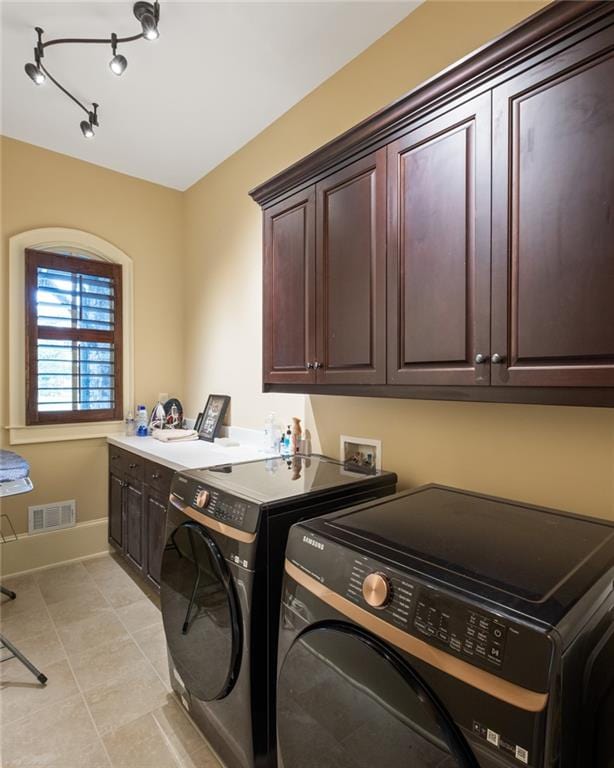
point(148, 14)
point(118, 63)
point(87, 126)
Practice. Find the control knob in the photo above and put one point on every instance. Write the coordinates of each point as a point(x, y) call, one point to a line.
point(202, 498)
point(376, 590)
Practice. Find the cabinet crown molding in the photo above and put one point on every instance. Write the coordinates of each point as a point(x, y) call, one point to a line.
point(551, 24)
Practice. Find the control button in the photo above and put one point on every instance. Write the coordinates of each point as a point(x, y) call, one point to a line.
point(498, 632)
point(202, 498)
point(494, 652)
point(473, 619)
point(480, 650)
point(484, 624)
point(470, 631)
point(455, 644)
point(376, 590)
point(482, 637)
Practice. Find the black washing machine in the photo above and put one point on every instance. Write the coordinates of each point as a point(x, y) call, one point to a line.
point(220, 588)
point(444, 629)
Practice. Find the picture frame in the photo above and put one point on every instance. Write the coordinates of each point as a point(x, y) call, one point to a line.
point(213, 417)
point(198, 422)
point(360, 454)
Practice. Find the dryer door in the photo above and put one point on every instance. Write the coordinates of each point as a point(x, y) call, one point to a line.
point(200, 612)
point(347, 701)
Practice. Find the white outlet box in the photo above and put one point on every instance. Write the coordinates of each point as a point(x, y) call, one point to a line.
point(362, 453)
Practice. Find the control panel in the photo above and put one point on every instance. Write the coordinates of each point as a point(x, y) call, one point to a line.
point(460, 629)
point(455, 627)
point(227, 509)
point(221, 506)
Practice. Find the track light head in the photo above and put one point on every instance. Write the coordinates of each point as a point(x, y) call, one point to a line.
point(35, 73)
point(118, 64)
point(86, 129)
point(148, 14)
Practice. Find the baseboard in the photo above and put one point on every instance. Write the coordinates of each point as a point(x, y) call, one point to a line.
point(41, 550)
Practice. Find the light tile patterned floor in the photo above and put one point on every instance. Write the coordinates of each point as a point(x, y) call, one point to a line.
point(97, 634)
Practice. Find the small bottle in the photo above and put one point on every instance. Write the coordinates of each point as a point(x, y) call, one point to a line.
point(287, 440)
point(130, 425)
point(141, 421)
point(269, 432)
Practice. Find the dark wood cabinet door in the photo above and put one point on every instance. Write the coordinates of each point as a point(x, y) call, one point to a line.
point(289, 282)
point(553, 220)
point(133, 500)
point(155, 528)
point(116, 516)
point(351, 274)
point(439, 250)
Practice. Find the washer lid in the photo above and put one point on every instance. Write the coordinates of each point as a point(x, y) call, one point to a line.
point(515, 554)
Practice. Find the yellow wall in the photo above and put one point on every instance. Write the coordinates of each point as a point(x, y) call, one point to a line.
point(46, 189)
point(562, 457)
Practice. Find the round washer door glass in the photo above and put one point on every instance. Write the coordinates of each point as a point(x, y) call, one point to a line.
point(346, 701)
point(199, 611)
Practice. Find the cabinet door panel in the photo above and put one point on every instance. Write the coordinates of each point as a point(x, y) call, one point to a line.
point(553, 221)
point(351, 273)
point(133, 500)
point(289, 301)
point(439, 249)
point(116, 510)
point(155, 516)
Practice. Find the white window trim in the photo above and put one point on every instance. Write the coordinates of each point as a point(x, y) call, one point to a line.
point(80, 242)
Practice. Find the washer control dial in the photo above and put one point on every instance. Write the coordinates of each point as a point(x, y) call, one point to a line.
point(202, 498)
point(376, 590)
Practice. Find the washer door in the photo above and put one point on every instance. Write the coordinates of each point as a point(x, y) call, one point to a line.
point(347, 701)
point(200, 612)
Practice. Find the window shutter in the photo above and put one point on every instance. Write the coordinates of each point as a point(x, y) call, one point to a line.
point(73, 339)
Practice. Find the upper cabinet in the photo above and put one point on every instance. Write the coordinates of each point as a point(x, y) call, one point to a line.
point(553, 220)
point(459, 244)
point(439, 250)
point(289, 290)
point(351, 274)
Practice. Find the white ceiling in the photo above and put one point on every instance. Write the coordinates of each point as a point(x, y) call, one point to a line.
point(217, 76)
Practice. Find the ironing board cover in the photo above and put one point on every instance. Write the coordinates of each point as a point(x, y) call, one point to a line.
point(12, 466)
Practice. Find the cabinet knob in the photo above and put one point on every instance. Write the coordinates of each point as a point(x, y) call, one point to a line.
point(309, 366)
point(317, 365)
point(132, 466)
point(155, 475)
point(115, 456)
point(497, 358)
point(480, 358)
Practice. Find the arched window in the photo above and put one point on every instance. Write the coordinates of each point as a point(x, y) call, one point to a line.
point(74, 330)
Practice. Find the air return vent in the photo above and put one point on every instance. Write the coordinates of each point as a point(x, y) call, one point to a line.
point(52, 517)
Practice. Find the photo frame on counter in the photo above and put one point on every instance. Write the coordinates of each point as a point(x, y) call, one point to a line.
point(199, 421)
point(213, 417)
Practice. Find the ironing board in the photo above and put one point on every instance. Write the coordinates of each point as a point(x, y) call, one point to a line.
point(15, 479)
point(14, 474)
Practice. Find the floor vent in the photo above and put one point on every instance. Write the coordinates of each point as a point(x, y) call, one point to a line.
point(52, 517)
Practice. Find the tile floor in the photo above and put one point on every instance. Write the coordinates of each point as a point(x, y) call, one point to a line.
point(97, 635)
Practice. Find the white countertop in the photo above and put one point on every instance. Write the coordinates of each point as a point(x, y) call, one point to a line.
point(196, 453)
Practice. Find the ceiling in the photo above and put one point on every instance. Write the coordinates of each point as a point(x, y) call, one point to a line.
point(218, 75)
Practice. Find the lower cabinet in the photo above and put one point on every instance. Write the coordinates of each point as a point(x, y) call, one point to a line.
point(133, 502)
point(138, 495)
point(154, 526)
point(116, 512)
